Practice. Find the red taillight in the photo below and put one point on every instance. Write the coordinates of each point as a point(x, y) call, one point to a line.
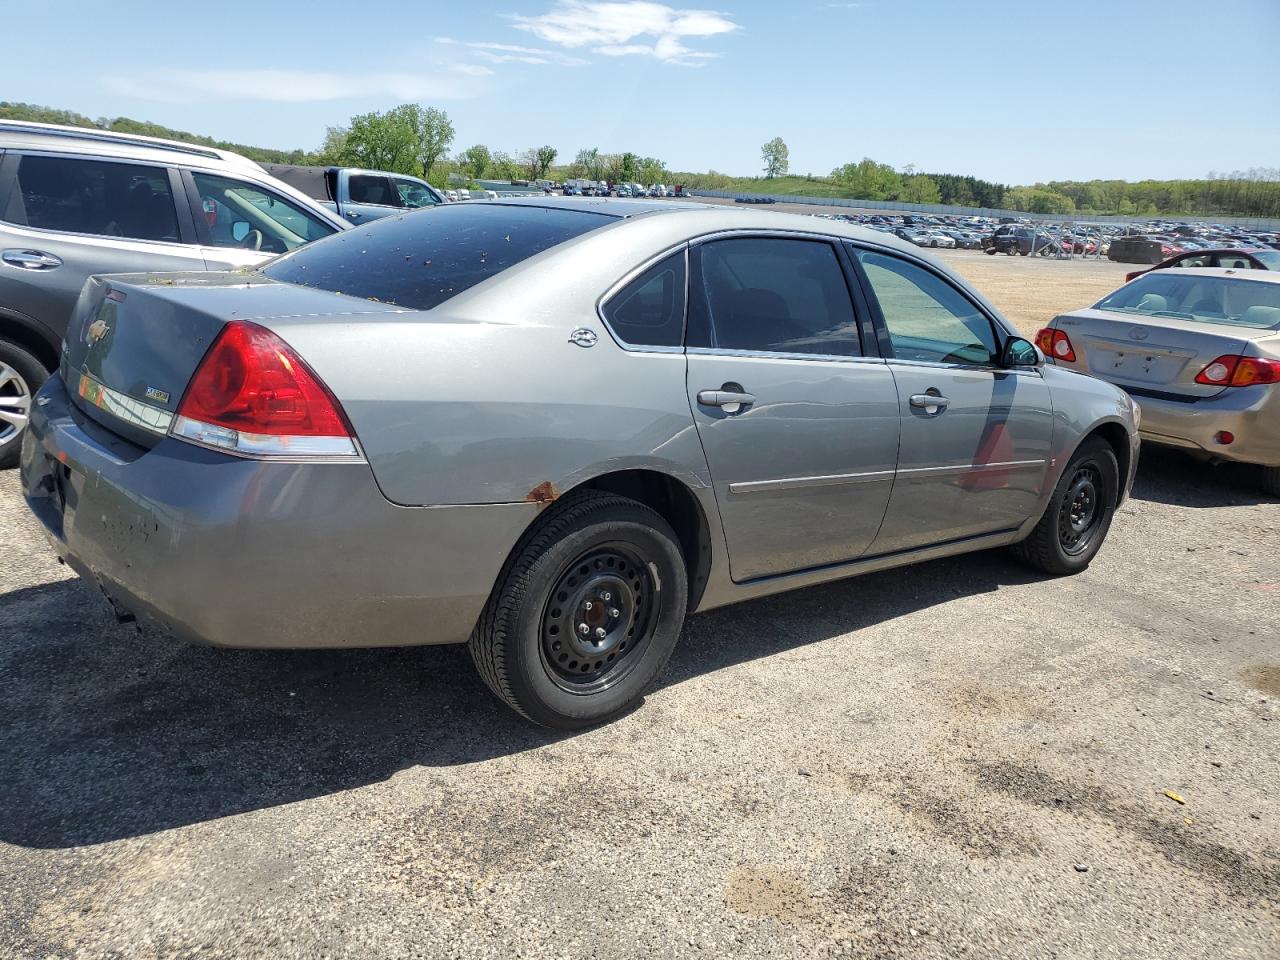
point(1236, 371)
point(252, 394)
point(1056, 344)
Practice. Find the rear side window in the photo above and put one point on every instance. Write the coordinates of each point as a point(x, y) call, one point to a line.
point(375, 190)
point(77, 195)
point(761, 294)
point(649, 311)
point(419, 260)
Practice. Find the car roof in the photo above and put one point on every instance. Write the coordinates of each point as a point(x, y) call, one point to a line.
point(23, 134)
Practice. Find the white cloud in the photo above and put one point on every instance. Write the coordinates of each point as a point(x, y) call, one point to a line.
point(293, 86)
point(628, 28)
point(513, 53)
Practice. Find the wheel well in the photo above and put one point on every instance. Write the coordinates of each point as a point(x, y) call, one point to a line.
point(1118, 439)
point(29, 340)
point(677, 505)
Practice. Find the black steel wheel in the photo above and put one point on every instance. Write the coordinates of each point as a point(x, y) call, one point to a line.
point(598, 619)
point(585, 612)
point(1075, 522)
point(1081, 511)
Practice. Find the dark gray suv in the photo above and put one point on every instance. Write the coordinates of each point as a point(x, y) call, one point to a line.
point(77, 202)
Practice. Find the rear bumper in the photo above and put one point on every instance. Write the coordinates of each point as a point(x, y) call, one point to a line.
point(1251, 414)
point(248, 553)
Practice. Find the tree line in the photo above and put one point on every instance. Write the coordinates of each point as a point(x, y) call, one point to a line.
point(415, 139)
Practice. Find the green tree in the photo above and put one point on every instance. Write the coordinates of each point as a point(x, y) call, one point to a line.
point(919, 188)
point(475, 160)
point(546, 156)
point(776, 157)
point(381, 141)
point(589, 163)
point(432, 132)
point(868, 180)
point(502, 166)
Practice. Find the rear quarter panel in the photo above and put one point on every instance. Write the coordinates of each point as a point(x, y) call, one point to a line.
point(486, 400)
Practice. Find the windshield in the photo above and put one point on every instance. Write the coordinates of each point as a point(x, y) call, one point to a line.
point(1270, 257)
point(1235, 301)
point(419, 260)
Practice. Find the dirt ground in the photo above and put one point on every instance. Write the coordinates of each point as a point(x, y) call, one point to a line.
point(1031, 291)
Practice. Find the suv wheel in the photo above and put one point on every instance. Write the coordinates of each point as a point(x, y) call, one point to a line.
point(1078, 516)
point(585, 613)
point(21, 375)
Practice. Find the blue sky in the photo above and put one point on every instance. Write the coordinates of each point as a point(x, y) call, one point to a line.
point(1015, 92)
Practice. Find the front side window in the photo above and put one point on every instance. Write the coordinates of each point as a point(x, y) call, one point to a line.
point(1197, 260)
point(362, 188)
point(649, 311)
point(240, 214)
point(764, 294)
point(79, 195)
point(927, 318)
point(414, 194)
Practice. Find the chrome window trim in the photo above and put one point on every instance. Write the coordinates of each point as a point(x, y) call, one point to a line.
point(618, 286)
point(798, 483)
point(966, 468)
point(970, 367)
point(777, 355)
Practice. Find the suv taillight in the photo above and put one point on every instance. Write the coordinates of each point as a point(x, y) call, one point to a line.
point(1056, 344)
point(252, 395)
point(1233, 370)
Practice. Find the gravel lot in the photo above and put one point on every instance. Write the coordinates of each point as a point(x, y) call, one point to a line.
point(959, 759)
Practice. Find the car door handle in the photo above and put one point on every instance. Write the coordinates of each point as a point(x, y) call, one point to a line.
point(30, 259)
point(353, 214)
point(930, 402)
point(724, 398)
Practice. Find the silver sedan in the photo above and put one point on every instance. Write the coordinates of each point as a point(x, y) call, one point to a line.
point(1199, 349)
point(551, 429)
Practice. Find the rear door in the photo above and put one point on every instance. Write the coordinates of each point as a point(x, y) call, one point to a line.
point(976, 437)
point(67, 217)
point(797, 414)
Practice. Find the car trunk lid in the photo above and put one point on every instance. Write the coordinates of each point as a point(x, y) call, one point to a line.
point(135, 340)
point(1157, 355)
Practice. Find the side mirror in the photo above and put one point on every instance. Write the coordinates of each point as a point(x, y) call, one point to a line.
point(1020, 353)
point(239, 230)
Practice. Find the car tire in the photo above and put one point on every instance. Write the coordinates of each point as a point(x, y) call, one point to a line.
point(1271, 481)
point(585, 612)
point(1011, 251)
point(21, 375)
point(1076, 520)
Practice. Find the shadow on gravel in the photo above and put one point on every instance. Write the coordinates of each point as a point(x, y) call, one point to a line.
point(1179, 479)
point(106, 733)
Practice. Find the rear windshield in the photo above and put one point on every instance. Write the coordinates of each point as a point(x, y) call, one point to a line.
point(1184, 295)
point(419, 260)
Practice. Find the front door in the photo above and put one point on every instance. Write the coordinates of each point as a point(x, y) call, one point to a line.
point(975, 437)
point(799, 426)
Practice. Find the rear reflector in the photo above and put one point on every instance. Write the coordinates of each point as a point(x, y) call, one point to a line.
point(1056, 344)
point(1232, 370)
point(252, 395)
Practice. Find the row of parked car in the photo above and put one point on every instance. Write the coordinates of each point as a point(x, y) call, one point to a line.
point(333, 449)
point(1148, 243)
